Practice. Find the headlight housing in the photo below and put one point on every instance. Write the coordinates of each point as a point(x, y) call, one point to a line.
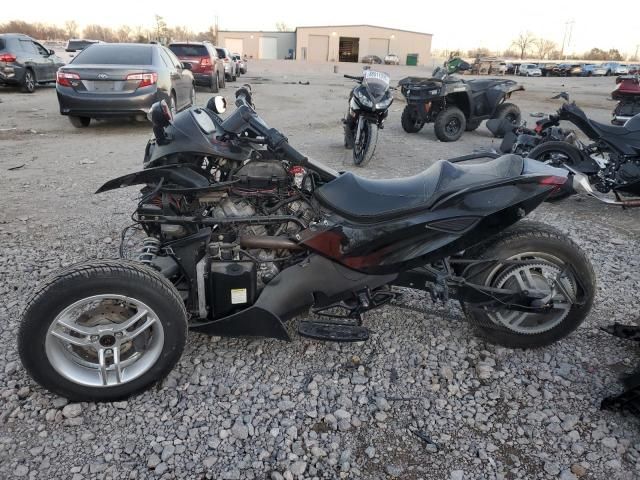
point(363, 99)
point(384, 103)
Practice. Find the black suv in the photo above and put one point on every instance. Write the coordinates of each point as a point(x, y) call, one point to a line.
point(25, 62)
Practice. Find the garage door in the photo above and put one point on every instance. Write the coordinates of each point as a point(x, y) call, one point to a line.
point(234, 45)
point(318, 48)
point(268, 48)
point(379, 47)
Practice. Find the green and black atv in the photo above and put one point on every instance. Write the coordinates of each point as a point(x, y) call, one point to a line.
point(453, 104)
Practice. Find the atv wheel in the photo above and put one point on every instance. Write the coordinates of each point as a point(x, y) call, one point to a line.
point(410, 120)
point(450, 124)
point(102, 330)
point(508, 111)
point(472, 125)
point(557, 268)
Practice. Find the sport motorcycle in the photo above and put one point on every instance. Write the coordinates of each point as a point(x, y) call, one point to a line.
point(242, 233)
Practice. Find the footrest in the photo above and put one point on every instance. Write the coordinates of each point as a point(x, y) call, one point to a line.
point(333, 332)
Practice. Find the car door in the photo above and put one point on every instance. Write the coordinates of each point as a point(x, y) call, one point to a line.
point(47, 62)
point(32, 58)
point(183, 80)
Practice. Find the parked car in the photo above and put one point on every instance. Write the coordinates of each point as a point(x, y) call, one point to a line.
point(207, 69)
point(498, 68)
point(26, 63)
point(615, 68)
point(574, 70)
point(392, 59)
point(634, 69)
point(592, 70)
point(371, 59)
point(230, 65)
point(79, 44)
point(122, 80)
point(546, 69)
point(242, 63)
point(562, 70)
point(512, 68)
point(529, 70)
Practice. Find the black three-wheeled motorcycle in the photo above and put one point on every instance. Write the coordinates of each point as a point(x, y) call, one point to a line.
point(240, 238)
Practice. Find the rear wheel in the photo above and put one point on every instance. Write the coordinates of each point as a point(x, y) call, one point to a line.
point(553, 266)
point(79, 122)
point(215, 83)
point(102, 330)
point(556, 154)
point(450, 124)
point(508, 111)
point(223, 80)
point(410, 120)
point(28, 82)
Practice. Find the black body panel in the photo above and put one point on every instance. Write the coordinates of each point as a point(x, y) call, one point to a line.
point(179, 174)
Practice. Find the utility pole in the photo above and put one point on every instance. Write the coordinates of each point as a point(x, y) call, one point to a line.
point(568, 28)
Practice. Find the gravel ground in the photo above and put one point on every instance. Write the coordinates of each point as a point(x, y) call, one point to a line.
point(423, 398)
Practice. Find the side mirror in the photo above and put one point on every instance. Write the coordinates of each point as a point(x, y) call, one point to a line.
point(187, 66)
point(51, 52)
point(161, 117)
point(217, 104)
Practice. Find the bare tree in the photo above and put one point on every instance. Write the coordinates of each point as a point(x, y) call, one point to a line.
point(479, 52)
point(161, 28)
point(71, 28)
point(283, 27)
point(544, 47)
point(124, 33)
point(523, 43)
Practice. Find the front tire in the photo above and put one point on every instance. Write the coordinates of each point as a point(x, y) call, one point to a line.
point(102, 330)
point(557, 266)
point(410, 120)
point(215, 83)
point(364, 149)
point(450, 124)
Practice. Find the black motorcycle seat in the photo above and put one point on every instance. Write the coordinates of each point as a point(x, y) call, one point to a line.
point(483, 84)
point(631, 126)
point(366, 200)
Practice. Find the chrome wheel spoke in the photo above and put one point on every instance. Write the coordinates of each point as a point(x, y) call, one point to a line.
point(70, 325)
point(102, 363)
point(77, 341)
point(133, 320)
point(116, 364)
point(130, 335)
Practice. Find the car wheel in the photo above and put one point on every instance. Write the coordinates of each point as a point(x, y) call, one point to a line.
point(233, 78)
point(29, 82)
point(214, 83)
point(79, 122)
point(222, 80)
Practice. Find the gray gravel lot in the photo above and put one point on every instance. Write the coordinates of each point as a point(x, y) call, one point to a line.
point(254, 408)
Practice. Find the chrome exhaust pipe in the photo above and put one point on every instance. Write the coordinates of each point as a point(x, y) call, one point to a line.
point(581, 184)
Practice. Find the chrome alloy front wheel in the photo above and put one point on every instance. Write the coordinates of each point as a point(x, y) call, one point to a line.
point(104, 340)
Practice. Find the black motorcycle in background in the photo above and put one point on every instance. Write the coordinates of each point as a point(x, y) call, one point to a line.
point(611, 162)
point(369, 104)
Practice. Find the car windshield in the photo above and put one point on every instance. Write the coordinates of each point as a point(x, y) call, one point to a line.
point(376, 83)
point(189, 50)
point(115, 55)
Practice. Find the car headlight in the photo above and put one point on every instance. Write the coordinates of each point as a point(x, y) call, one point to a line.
point(363, 99)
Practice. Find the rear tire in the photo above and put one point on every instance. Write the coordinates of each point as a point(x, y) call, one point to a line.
point(223, 80)
point(556, 153)
point(215, 83)
point(532, 240)
point(28, 82)
point(508, 111)
point(140, 314)
point(410, 120)
point(450, 124)
point(79, 122)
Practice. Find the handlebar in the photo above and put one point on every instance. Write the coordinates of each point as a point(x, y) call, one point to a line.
point(359, 79)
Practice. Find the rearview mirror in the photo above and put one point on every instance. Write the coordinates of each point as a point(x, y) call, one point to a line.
point(217, 104)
